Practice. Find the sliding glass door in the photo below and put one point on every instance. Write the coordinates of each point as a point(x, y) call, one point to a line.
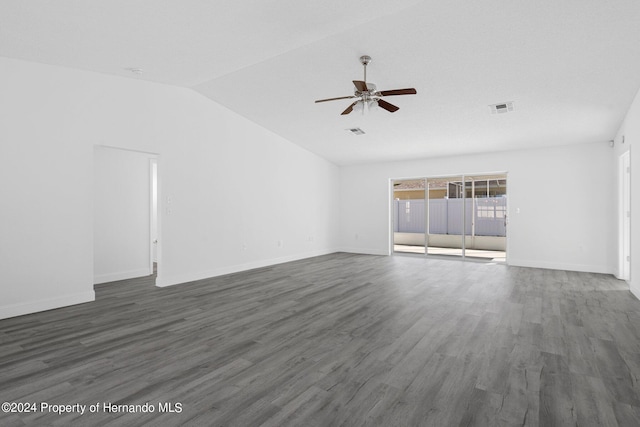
point(462, 216)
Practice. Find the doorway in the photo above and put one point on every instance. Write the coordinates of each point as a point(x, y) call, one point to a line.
point(460, 216)
point(125, 214)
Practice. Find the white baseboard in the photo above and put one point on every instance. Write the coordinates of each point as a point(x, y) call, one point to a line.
point(176, 279)
point(365, 251)
point(46, 304)
point(560, 266)
point(513, 262)
point(114, 277)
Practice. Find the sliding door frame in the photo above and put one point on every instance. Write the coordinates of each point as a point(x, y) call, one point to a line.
point(463, 179)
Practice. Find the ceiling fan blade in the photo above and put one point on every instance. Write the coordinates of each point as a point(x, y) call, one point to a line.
point(333, 99)
point(389, 107)
point(349, 109)
point(360, 85)
point(409, 91)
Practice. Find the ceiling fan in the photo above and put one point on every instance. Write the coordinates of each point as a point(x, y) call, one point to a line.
point(368, 95)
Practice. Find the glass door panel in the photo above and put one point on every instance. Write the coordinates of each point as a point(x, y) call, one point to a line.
point(485, 217)
point(409, 216)
point(445, 224)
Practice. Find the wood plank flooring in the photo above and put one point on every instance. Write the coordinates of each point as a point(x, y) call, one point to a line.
point(337, 340)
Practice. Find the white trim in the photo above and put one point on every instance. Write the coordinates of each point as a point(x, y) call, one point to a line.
point(623, 270)
point(366, 251)
point(603, 269)
point(177, 279)
point(123, 275)
point(153, 211)
point(391, 218)
point(46, 304)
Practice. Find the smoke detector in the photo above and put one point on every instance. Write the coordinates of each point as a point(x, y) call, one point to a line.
point(501, 108)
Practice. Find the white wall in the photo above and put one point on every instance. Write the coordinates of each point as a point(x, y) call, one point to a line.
point(630, 129)
point(122, 214)
point(46, 206)
point(236, 189)
point(563, 195)
point(242, 197)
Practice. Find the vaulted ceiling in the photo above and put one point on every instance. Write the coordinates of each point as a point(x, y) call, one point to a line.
point(570, 67)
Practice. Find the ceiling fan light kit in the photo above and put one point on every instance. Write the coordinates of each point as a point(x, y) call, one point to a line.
point(367, 95)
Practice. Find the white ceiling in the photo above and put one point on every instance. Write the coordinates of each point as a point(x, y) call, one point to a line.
point(571, 67)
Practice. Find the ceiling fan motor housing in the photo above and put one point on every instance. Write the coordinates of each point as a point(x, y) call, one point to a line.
point(371, 92)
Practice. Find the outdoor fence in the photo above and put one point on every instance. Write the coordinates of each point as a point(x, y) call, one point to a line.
point(483, 216)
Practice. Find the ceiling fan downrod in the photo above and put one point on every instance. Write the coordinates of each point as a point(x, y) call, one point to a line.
point(364, 60)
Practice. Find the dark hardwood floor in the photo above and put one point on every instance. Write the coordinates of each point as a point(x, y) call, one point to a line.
point(337, 340)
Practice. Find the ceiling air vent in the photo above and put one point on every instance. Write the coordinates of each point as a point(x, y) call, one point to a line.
point(502, 108)
point(356, 131)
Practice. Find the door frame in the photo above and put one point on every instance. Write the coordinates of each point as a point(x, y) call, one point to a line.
point(624, 216)
point(151, 159)
point(462, 177)
point(153, 212)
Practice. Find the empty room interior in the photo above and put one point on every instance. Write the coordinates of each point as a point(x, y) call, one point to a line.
point(408, 213)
